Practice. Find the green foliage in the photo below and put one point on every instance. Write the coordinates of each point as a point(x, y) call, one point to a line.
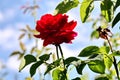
point(107, 9)
point(116, 20)
point(104, 49)
point(69, 60)
point(59, 74)
point(89, 51)
point(95, 34)
point(65, 6)
point(44, 57)
point(97, 66)
point(102, 78)
point(85, 9)
point(117, 4)
point(34, 67)
point(77, 78)
point(28, 59)
point(80, 68)
point(53, 65)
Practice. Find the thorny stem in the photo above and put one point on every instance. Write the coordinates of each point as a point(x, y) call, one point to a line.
point(114, 62)
point(62, 55)
point(57, 51)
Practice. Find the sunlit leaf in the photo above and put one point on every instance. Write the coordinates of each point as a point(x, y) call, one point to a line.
point(52, 66)
point(32, 50)
point(97, 66)
point(95, 34)
point(22, 46)
point(116, 20)
point(45, 57)
point(21, 36)
point(119, 65)
point(104, 49)
point(85, 9)
point(115, 53)
point(107, 9)
point(28, 78)
point(89, 51)
point(28, 59)
point(65, 6)
point(28, 28)
point(34, 67)
point(59, 74)
point(107, 61)
point(24, 30)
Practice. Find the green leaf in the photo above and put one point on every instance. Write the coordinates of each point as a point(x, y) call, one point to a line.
point(107, 61)
point(104, 49)
point(97, 66)
point(117, 4)
point(118, 65)
point(65, 6)
point(45, 57)
point(102, 77)
point(89, 51)
point(70, 59)
point(95, 34)
point(77, 78)
point(107, 9)
point(80, 68)
point(115, 53)
point(59, 74)
point(85, 9)
point(52, 66)
point(34, 67)
point(116, 20)
point(28, 59)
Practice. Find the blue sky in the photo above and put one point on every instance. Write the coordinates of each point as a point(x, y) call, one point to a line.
point(12, 19)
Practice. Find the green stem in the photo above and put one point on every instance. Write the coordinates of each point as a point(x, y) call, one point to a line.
point(62, 55)
point(114, 62)
point(57, 51)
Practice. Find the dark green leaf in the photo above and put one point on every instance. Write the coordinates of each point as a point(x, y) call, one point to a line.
point(70, 59)
point(77, 78)
point(102, 77)
point(80, 68)
point(34, 67)
point(85, 9)
point(26, 61)
point(52, 66)
point(107, 9)
point(116, 20)
point(117, 4)
point(59, 74)
point(97, 66)
point(45, 57)
point(65, 6)
point(89, 51)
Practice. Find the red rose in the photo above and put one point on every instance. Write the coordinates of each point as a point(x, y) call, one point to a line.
point(55, 29)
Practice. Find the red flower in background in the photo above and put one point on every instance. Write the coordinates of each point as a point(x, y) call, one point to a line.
point(55, 29)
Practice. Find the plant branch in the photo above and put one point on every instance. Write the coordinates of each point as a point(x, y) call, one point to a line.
point(62, 55)
point(57, 51)
point(114, 62)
